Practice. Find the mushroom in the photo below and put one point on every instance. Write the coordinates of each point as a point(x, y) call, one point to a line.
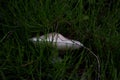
point(63, 43)
point(58, 41)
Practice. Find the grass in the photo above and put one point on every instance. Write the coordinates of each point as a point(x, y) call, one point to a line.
point(94, 23)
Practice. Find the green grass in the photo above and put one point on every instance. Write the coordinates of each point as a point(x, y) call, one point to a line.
point(94, 23)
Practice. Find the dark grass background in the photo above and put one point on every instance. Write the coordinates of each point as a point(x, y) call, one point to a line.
point(95, 23)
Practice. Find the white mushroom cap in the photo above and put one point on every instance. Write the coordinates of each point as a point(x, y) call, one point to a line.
point(58, 40)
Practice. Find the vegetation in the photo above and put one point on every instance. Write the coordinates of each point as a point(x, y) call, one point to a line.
point(95, 23)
